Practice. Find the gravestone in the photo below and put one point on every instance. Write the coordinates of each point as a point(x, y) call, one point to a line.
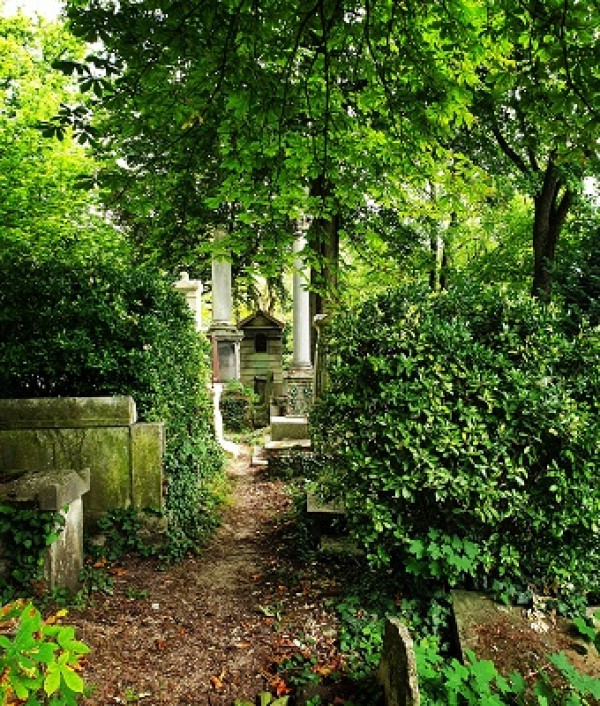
point(398, 668)
point(125, 457)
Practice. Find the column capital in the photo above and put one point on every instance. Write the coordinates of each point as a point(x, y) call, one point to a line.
point(303, 223)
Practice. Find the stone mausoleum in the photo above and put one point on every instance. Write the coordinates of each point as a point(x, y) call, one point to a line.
point(261, 355)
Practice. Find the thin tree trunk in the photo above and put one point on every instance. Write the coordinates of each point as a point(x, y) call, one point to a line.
point(433, 257)
point(551, 208)
point(324, 241)
point(444, 265)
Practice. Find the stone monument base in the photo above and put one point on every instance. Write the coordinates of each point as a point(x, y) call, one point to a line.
point(299, 383)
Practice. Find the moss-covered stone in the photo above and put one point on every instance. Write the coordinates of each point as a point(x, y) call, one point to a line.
point(72, 412)
point(125, 458)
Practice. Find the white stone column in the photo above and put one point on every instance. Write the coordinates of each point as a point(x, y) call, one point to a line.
point(222, 300)
point(192, 290)
point(299, 379)
point(301, 334)
point(223, 333)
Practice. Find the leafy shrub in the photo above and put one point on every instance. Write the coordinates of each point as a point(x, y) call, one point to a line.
point(577, 278)
point(25, 535)
point(462, 433)
point(294, 464)
point(80, 317)
point(449, 683)
point(237, 407)
point(39, 659)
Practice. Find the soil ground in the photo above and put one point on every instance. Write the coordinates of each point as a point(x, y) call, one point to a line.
point(218, 627)
point(212, 628)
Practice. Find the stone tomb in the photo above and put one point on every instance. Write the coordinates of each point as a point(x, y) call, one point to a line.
point(125, 457)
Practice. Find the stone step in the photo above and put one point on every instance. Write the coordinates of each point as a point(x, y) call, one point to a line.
point(273, 446)
point(339, 546)
point(259, 459)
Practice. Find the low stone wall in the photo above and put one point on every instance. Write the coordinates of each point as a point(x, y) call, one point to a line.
point(125, 457)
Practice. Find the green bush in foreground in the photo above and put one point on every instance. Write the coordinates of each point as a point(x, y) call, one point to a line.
point(40, 660)
point(80, 317)
point(462, 432)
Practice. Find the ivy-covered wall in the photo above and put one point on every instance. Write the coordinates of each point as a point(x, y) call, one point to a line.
point(84, 319)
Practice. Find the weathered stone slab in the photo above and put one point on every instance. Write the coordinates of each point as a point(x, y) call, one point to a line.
point(398, 668)
point(147, 449)
point(287, 445)
point(511, 636)
point(72, 412)
point(289, 428)
point(62, 491)
point(340, 546)
point(50, 490)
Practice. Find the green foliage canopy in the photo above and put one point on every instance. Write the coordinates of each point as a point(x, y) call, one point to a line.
point(39, 180)
point(252, 113)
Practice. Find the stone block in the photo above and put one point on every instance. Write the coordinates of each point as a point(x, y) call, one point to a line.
point(62, 491)
point(72, 412)
point(340, 546)
point(288, 428)
point(147, 448)
point(398, 668)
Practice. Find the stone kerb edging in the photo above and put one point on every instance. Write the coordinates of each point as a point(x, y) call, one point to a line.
point(398, 667)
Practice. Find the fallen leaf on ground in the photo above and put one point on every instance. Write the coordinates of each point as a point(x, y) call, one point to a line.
point(217, 682)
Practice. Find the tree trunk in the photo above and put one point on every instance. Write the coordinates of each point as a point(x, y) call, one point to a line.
point(324, 241)
point(433, 258)
point(551, 208)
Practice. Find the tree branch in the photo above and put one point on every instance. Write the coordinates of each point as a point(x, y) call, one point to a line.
point(514, 157)
point(565, 57)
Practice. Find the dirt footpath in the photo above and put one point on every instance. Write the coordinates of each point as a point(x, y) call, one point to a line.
point(212, 628)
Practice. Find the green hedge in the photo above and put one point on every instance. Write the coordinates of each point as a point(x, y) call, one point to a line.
point(462, 433)
point(237, 407)
point(80, 318)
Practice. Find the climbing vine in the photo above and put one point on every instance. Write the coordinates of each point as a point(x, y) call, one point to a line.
point(25, 534)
